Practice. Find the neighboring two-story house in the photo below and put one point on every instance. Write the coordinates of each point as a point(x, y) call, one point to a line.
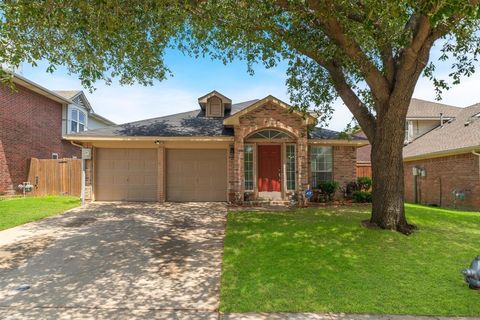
point(442, 165)
point(441, 154)
point(422, 117)
point(33, 122)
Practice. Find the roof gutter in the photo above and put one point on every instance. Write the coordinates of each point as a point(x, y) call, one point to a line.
point(442, 154)
point(152, 138)
point(339, 142)
point(76, 144)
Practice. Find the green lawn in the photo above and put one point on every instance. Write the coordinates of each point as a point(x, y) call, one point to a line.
point(14, 212)
point(322, 260)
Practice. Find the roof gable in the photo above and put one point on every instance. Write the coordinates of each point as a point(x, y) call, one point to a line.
point(234, 119)
point(77, 97)
point(227, 102)
point(422, 109)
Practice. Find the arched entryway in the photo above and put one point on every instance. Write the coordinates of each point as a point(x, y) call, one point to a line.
point(270, 164)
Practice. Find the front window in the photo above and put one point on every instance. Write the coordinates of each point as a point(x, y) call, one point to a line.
point(248, 167)
point(291, 158)
point(77, 121)
point(320, 165)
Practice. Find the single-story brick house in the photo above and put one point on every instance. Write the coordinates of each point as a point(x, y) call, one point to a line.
point(255, 150)
point(442, 166)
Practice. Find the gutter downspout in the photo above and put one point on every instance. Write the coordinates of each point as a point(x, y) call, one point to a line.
point(82, 192)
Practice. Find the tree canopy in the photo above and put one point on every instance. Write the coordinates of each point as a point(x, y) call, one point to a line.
point(355, 49)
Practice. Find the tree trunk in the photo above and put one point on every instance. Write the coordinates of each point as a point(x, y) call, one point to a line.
point(388, 210)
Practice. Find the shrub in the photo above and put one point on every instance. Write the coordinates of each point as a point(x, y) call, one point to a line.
point(328, 189)
point(350, 188)
point(364, 183)
point(362, 196)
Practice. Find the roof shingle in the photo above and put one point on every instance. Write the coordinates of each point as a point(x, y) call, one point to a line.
point(427, 109)
point(459, 133)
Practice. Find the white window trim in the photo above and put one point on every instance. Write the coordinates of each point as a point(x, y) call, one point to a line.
point(318, 171)
point(295, 167)
point(253, 167)
point(70, 119)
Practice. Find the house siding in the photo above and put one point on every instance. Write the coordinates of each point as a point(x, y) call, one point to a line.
point(30, 127)
point(443, 176)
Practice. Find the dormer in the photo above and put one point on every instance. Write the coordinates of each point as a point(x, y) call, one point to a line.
point(215, 104)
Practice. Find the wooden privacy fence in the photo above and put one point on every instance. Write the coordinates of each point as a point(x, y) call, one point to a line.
point(55, 176)
point(364, 169)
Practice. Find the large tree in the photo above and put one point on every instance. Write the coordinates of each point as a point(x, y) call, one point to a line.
point(370, 53)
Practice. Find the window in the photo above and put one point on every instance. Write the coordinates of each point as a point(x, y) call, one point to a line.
point(269, 134)
point(408, 131)
point(291, 161)
point(248, 167)
point(320, 165)
point(77, 121)
point(54, 155)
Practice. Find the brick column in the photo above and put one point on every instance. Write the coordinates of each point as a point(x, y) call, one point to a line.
point(237, 182)
point(161, 173)
point(302, 167)
point(89, 174)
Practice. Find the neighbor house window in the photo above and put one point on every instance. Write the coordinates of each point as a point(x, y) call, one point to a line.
point(408, 131)
point(320, 165)
point(248, 167)
point(77, 121)
point(291, 164)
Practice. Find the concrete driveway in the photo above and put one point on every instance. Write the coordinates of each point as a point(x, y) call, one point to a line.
point(115, 261)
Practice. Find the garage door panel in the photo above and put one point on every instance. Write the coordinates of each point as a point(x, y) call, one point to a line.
point(196, 175)
point(126, 174)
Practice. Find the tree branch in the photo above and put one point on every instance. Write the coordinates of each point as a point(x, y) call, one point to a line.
point(351, 100)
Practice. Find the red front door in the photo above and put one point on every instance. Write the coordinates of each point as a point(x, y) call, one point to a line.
point(269, 166)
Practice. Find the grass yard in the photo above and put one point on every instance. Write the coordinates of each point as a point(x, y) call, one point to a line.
point(16, 211)
point(322, 260)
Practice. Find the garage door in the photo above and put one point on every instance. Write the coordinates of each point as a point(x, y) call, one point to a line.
point(126, 174)
point(196, 175)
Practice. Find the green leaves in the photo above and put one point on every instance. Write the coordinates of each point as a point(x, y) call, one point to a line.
point(126, 39)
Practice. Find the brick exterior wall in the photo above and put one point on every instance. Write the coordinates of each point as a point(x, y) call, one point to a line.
point(30, 127)
point(443, 176)
point(268, 116)
point(344, 165)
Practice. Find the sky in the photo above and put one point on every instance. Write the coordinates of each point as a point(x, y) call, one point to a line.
point(192, 78)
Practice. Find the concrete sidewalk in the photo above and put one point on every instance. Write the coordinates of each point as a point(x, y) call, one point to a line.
point(331, 316)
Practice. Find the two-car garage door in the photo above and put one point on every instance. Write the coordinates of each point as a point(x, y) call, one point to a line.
point(132, 175)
